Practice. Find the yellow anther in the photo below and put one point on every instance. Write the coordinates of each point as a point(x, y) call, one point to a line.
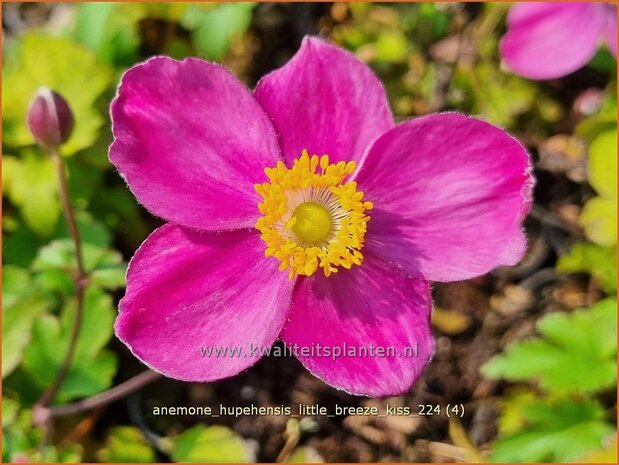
point(290, 223)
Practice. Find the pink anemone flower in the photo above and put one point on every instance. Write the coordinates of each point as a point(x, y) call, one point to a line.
point(547, 40)
point(301, 211)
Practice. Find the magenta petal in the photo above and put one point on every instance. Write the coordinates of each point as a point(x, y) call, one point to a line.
point(611, 28)
point(192, 141)
point(449, 195)
point(187, 289)
point(550, 40)
point(364, 307)
point(326, 101)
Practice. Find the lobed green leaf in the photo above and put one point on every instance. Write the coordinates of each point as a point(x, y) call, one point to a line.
point(576, 352)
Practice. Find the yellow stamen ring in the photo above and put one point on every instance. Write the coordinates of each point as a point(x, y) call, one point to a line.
point(311, 218)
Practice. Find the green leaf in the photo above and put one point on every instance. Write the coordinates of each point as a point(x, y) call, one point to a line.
point(513, 407)
point(97, 322)
point(126, 444)
point(87, 380)
point(19, 246)
point(92, 369)
point(56, 281)
point(432, 20)
point(603, 164)
point(559, 431)
point(305, 454)
point(17, 324)
point(606, 455)
point(60, 253)
point(19, 438)
point(91, 231)
point(71, 453)
point(599, 215)
point(599, 218)
point(90, 24)
point(171, 11)
point(67, 68)
point(16, 284)
point(209, 445)
point(110, 30)
point(391, 47)
point(214, 28)
point(31, 185)
point(596, 260)
point(110, 278)
point(576, 353)
point(604, 61)
point(21, 442)
point(21, 305)
point(10, 407)
point(105, 266)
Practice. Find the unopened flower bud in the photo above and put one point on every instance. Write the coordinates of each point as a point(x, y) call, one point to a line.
point(50, 118)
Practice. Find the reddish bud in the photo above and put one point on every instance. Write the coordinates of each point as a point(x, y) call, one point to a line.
point(50, 118)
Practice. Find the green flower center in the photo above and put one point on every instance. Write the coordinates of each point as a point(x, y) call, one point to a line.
point(312, 223)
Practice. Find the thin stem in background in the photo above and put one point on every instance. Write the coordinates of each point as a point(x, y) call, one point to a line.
point(81, 281)
point(42, 412)
point(107, 397)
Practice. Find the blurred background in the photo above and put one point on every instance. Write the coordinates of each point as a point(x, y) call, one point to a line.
point(529, 352)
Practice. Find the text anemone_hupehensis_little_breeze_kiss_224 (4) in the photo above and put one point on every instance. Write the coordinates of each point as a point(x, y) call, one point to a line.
point(301, 211)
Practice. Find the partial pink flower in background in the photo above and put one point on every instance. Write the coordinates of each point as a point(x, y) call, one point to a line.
point(449, 194)
point(547, 40)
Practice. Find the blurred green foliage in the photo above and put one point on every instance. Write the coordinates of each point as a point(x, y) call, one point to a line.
point(31, 185)
point(111, 30)
point(599, 215)
point(550, 430)
point(212, 28)
point(20, 441)
point(126, 444)
point(213, 444)
point(108, 29)
point(21, 305)
point(462, 70)
point(599, 262)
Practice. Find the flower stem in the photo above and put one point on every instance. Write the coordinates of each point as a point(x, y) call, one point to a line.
point(42, 412)
point(81, 281)
point(68, 211)
point(107, 397)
